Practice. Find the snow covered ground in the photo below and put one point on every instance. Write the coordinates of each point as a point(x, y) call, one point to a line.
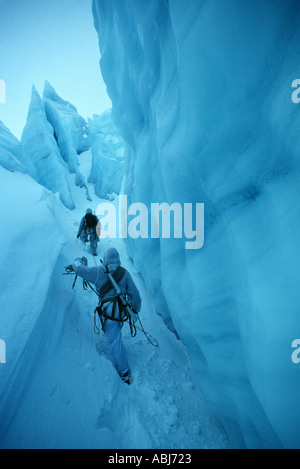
point(58, 388)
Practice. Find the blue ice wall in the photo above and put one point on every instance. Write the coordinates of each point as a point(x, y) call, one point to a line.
point(41, 149)
point(12, 156)
point(70, 129)
point(201, 93)
point(107, 147)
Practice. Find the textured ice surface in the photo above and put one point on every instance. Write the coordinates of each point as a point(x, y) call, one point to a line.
point(70, 129)
point(107, 147)
point(201, 93)
point(41, 149)
point(12, 157)
point(30, 246)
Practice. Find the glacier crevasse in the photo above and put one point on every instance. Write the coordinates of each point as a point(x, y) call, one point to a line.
point(201, 95)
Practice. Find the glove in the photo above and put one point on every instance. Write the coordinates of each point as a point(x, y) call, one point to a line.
point(69, 269)
point(79, 261)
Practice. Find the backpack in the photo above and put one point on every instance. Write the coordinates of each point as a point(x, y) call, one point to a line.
point(91, 221)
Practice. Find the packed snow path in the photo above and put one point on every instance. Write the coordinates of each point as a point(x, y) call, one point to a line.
point(65, 392)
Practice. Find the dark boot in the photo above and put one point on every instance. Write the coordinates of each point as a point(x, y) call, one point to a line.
point(126, 376)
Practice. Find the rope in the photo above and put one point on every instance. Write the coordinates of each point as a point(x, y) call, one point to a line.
point(94, 261)
point(147, 335)
point(96, 328)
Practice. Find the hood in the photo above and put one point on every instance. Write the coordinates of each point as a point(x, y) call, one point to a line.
point(111, 259)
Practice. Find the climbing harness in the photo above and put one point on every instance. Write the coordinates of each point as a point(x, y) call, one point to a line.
point(114, 308)
point(121, 310)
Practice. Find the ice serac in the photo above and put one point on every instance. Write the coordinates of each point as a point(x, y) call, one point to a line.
point(12, 156)
point(70, 129)
point(41, 149)
point(201, 93)
point(107, 147)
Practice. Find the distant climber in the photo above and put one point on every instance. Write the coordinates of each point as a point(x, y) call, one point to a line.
point(111, 311)
point(89, 230)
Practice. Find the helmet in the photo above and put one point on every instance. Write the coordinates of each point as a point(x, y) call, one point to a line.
point(89, 210)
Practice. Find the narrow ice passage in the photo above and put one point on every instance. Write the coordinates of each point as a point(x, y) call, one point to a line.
point(64, 391)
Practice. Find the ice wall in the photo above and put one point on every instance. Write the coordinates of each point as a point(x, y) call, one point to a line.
point(201, 93)
point(107, 169)
point(41, 149)
point(34, 302)
point(70, 129)
point(12, 156)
